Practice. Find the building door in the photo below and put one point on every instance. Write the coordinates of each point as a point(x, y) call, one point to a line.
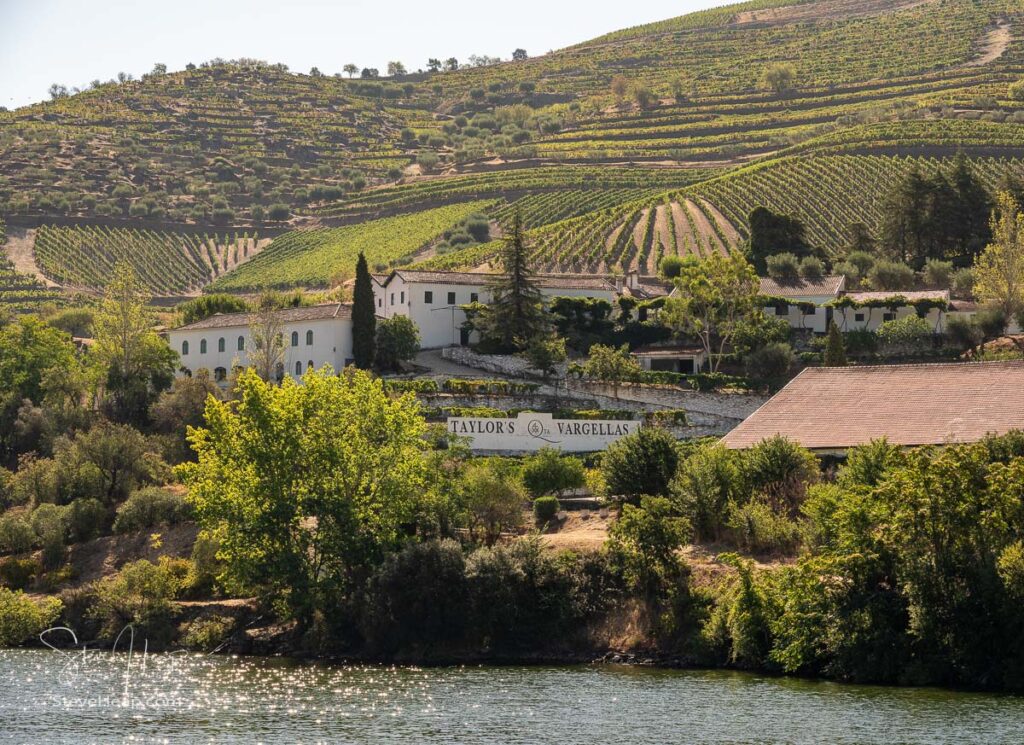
point(464, 337)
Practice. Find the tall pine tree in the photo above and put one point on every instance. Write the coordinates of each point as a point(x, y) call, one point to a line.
point(515, 314)
point(364, 319)
point(835, 351)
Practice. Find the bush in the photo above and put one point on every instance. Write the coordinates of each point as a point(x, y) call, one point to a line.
point(547, 472)
point(1016, 91)
point(545, 509)
point(279, 212)
point(759, 529)
point(417, 596)
point(670, 266)
point(17, 574)
point(938, 273)
point(21, 617)
point(16, 533)
point(891, 275)
point(149, 508)
point(643, 463)
point(86, 518)
point(707, 482)
point(208, 634)
point(494, 500)
point(141, 593)
point(781, 471)
point(398, 341)
point(812, 268)
point(907, 335)
point(770, 362)
point(784, 267)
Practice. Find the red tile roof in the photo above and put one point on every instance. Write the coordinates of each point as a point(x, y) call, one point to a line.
point(803, 288)
point(287, 315)
point(834, 408)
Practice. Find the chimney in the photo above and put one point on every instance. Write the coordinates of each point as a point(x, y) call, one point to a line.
point(633, 279)
point(618, 284)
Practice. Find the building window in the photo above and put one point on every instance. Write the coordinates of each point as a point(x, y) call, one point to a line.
point(298, 368)
point(309, 337)
point(781, 309)
point(220, 344)
point(380, 303)
point(858, 317)
point(202, 346)
point(428, 297)
point(810, 311)
point(220, 374)
point(295, 338)
point(184, 348)
point(241, 343)
point(401, 297)
point(473, 297)
point(888, 316)
point(309, 365)
point(451, 298)
point(392, 298)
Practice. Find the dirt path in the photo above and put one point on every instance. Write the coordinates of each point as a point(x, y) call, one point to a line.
point(731, 234)
point(996, 42)
point(20, 242)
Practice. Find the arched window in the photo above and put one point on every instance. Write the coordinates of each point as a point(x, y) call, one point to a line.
point(309, 365)
point(202, 346)
point(295, 338)
point(309, 337)
point(241, 343)
point(220, 374)
point(220, 344)
point(298, 367)
point(184, 347)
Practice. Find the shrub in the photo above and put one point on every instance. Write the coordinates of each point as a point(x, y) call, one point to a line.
point(670, 266)
point(279, 212)
point(548, 472)
point(770, 362)
point(494, 501)
point(812, 268)
point(891, 275)
point(938, 273)
point(907, 335)
point(17, 574)
point(208, 634)
point(50, 525)
point(141, 593)
point(86, 518)
point(759, 529)
point(641, 463)
point(780, 470)
point(21, 617)
point(545, 509)
point(783, 267)
point(149, 508)
point(706, 484)
point(1016, 90)
point(417, 596)
point(16, 533)
point(398, 340)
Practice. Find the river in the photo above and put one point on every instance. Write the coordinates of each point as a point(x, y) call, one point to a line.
point(55, 697)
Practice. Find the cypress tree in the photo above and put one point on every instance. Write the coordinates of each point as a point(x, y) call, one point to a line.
point(364, 319)
point(515, 314)
point(835, 352)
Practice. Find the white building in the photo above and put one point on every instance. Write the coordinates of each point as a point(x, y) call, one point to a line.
point(807, 306)
point(313, 336)
point(433, 300)
point(871, 309)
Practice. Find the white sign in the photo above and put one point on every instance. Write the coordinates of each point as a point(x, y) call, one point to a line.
point(529, 432)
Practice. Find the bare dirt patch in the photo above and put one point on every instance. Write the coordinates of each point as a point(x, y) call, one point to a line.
point(585, 530)
point(731, 234)
point(684, 237)
point(824, 11)
point(20, 242)
point(705, 230)
point(994, 45)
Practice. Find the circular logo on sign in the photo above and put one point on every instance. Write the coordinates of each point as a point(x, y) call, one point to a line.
point(535, 428)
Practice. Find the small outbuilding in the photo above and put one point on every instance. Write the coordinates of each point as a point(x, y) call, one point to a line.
point(671, 358)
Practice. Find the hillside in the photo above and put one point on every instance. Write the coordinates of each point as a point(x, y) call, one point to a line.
point(651, 140)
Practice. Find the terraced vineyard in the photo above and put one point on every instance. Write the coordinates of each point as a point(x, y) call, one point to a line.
point(18, 291)
point(168, 263)
point(647, 141)
point(318, 258)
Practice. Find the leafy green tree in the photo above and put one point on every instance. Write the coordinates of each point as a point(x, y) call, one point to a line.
point(835, 350)
point(611, 365)
point(136, 362)
point(309, 485)
point(643, 463)
point(772, 233)
point(545, 354)
point(999, 270)
point(494, 501)
point(364, 317)
point(515, 313)
point(350, 69)
point(644, 542)
point(549, 472)
point(714, 298)
point(266, 339)
point(398, 341)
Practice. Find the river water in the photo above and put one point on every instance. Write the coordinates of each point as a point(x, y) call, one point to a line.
point(56, 697)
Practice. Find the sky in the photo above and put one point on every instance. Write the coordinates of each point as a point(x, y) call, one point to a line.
point(72, 42)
